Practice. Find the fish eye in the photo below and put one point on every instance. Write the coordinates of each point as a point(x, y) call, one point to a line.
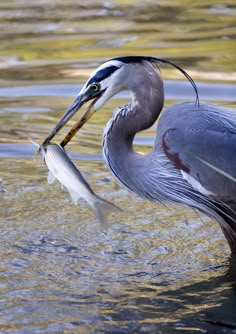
point(95, 87)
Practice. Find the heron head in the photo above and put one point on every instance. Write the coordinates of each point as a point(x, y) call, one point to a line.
point(104, 83)
point(109, 78)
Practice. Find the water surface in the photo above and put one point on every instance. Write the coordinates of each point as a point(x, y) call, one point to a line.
point(152, 268)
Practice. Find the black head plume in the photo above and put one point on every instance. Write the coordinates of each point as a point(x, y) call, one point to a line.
point(156, 62)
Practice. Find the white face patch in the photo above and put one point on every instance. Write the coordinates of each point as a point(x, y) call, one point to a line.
point(110, 86)
point(109, 63)
point(102, 75)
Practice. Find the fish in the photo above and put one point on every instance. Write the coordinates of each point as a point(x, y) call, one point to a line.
point(62, 168)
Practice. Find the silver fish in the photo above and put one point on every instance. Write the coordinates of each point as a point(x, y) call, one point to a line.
point(64, 170)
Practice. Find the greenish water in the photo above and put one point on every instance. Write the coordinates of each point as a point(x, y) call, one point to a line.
point(153, 269)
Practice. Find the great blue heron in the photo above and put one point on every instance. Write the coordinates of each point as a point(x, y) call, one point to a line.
point(194, 141)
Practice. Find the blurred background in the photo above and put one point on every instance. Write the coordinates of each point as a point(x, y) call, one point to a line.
point(153, 269)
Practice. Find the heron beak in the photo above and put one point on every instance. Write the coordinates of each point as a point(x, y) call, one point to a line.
point(78, 125)
point(76, 105)
point(81, 99)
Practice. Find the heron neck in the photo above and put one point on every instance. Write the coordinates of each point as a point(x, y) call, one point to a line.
point(126, 164)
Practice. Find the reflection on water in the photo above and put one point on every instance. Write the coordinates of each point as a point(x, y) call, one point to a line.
point(153, 269)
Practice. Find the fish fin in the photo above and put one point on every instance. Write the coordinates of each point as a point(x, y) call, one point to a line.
point(51, 177)
point(103, 208)
point(74, 196)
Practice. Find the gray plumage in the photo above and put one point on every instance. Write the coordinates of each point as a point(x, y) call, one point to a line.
point(191, 137)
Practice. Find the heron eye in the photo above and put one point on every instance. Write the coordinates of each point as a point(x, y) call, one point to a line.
point(95, 87)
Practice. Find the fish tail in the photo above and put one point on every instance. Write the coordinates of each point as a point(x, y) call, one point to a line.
point(103, 208)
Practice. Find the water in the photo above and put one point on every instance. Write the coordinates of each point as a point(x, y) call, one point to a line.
point(153, 269)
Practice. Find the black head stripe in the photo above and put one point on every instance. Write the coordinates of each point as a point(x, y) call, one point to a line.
point(131, 59)
point(102, 74)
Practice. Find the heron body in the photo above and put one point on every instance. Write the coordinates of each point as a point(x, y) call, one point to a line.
point(193, 158)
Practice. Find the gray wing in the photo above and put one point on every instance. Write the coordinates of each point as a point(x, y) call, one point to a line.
point(195, 151)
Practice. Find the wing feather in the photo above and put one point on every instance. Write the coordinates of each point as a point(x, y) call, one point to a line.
point(205, 156)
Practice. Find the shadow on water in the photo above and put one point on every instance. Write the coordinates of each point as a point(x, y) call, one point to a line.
point(210, 308)
point(220, 291)
point(164, 313)
point(141, 306)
